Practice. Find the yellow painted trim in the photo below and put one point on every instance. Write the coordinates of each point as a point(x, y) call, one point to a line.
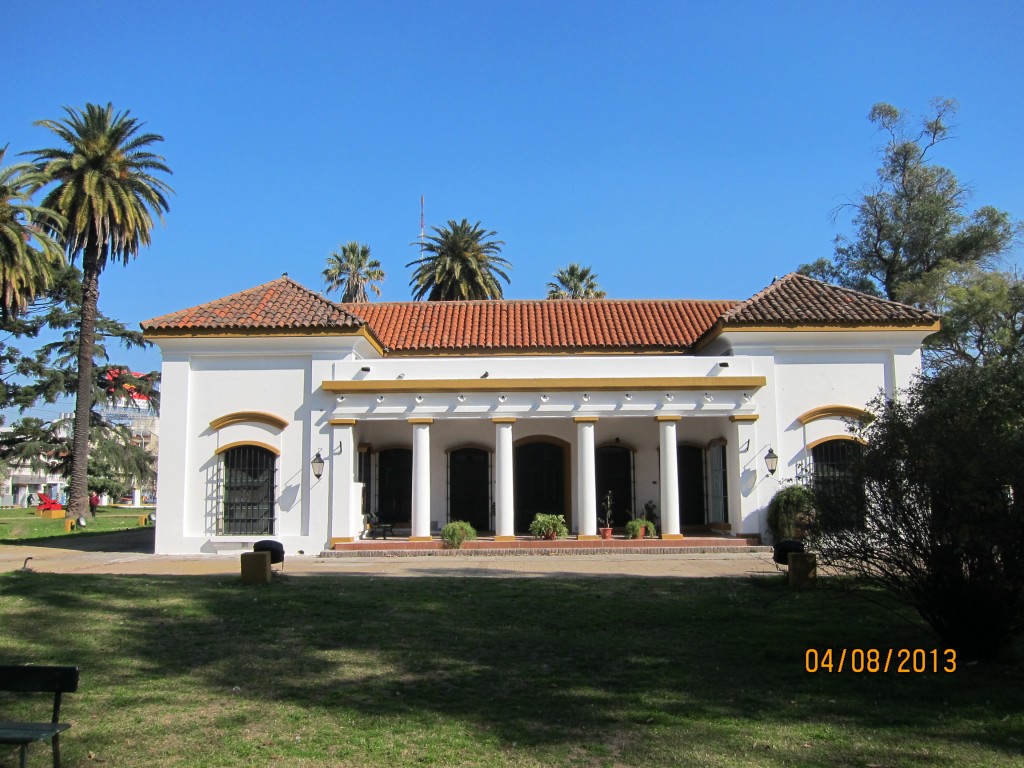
point(745, 417)
point(503, 419)
point(672, 536)
point(241, 417)
point(718, 329)
point(821, 440)
point(486, 352)
point(420, 538)
point(342, 422)
point(668, 417)
point(826, 411)
point(341, 540)
point(259, 333)
point(258, 444)
point(545, 385)
point(588, 537)
point(584, 419)
point(420, 420)
point(936, 326)
point(504, 538)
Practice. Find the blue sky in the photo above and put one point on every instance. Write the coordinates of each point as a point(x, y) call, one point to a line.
point(680, 149)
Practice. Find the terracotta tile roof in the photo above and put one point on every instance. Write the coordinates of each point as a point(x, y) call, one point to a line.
point(600, 325)
point(280, 305)
point(799, 300)
point(542, 325)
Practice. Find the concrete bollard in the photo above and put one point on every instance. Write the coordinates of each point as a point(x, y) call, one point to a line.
point(803, 570)
point(255, 567)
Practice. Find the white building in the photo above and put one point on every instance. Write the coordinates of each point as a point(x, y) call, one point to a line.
point(492, 411)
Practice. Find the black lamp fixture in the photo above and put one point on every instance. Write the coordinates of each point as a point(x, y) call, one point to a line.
point(771, 461)
point(318, 465)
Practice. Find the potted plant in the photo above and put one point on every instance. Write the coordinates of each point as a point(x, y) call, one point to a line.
point(606, 531)
point(549, 526)
point(456, 532)
point(639, 527)
point(635, 529)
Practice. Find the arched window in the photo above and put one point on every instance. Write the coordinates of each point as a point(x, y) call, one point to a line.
point(831, 460)
point(247, 491)
point(841, 503)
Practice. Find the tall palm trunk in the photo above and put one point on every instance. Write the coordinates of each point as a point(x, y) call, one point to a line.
point(78, 498)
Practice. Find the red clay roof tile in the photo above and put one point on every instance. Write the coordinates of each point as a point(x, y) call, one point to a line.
point(279, 305)
point(597, 325)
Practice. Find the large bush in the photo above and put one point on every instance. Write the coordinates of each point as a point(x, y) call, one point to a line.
point(938, 501)
point(790, 512)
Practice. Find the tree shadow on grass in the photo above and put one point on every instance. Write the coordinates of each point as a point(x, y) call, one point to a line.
point(528, 662)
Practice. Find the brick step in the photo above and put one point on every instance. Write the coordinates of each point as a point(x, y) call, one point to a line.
point(531, 546)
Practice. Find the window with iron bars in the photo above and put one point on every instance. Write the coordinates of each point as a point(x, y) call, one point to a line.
point(248, 484)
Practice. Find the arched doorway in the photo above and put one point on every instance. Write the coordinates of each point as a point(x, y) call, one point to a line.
point(539, 482)
point(613, 465)
point(691, 485)
point(394, 488)
point(469, 487)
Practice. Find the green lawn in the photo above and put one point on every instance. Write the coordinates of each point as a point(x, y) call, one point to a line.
point(18, 524)
point(357, 671)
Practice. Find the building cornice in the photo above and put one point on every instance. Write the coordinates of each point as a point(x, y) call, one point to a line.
point(396, 386)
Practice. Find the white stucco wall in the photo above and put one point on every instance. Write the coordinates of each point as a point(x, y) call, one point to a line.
point(206, 379)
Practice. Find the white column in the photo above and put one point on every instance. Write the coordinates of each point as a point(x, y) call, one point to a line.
point(505, 518)
point(586, 481)
point(345, 521)
point(669, 478)
point(420, 479)
point(741, 462)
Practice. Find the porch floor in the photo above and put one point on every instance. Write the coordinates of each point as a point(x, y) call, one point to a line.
point(528, 545)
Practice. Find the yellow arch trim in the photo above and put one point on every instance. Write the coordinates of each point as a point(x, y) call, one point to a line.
point(827, 411)
point(256, 443)
point(241, 417)
point(821, 440)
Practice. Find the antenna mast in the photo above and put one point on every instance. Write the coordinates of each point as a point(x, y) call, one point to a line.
point(421, 226)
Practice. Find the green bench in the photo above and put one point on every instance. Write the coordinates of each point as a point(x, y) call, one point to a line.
point(32, 679)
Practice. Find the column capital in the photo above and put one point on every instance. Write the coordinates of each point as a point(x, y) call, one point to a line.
point(668, 417)
point(585, 419)
point(503, 419)
point(342, 422)
point(744, 418)
point(420, 420)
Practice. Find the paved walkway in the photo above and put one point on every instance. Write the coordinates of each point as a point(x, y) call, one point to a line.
point(128, 553)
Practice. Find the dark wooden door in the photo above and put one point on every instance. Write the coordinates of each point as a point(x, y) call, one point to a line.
point(691, 485)
point(394, 497)
point(469, 487)
point(539, 483)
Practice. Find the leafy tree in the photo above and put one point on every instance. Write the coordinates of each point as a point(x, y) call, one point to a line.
point(28, 255)
point(983, 317)
point(50, 373)
point(575, 282)
point(107, 191)
point(939, 522)
point(915, 219)
point(461, 262)
point(351, 271)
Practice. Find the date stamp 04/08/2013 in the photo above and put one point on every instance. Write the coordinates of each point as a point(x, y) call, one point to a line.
point(903, 661)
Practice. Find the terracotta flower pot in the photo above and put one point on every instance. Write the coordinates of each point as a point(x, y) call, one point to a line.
point(606, 533)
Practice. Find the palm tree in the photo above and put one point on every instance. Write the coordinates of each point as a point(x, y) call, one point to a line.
point(351, 271)
point(575, 282)
point(29, 256)
point(107, 191)
point(460, 263)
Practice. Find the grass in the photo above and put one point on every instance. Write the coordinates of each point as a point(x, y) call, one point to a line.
point(18, 524)
point(358, 671)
